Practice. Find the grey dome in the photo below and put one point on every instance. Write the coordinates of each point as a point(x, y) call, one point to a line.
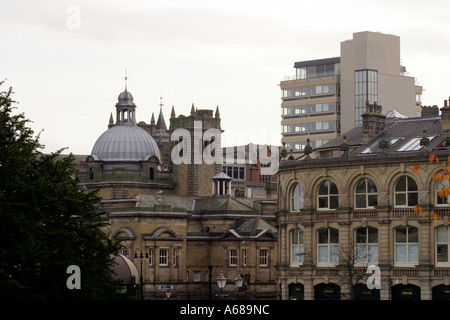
point(125, 143)
point(126, 98)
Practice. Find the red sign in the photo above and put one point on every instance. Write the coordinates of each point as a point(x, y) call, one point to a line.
point(168, 294)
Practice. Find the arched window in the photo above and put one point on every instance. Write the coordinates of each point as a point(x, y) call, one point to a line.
point(406, 192)
point(366, 245)
point(441, 201)
point(296, 197)
point(442, 245)
point(406, 245)
point(327, 246)
point(365, 194)
point(328, 195)
point(297, 248)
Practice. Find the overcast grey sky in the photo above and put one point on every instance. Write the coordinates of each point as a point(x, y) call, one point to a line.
point(66, 59)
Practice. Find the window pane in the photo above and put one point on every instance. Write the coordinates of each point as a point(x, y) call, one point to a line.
point(413, 253)
point(412, 186)
point(300, 236)
point(334, 202)
point(373, 253)
point(412, 199)
point(323, 202)
point(294, 237)
point(372, 201)
point(361, 186)
point(373, 235)
point(361, 235)
point(441, 234)
point(323, 235)
point(361, 253)
point(442, 253)
point(334, 235)
point(323, 254)
point(334, 257)
point(400, 253)
point(371, 186)
point(360, 201)
point(413, 234)
point(400, 234)
point(333, 188)
point(323, 188)
point(294, 257)
point(401, 184)
point(400, 199)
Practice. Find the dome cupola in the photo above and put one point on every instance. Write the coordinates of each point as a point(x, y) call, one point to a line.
point(125, 141)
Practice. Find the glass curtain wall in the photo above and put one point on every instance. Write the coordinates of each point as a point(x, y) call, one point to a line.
point(366, 89)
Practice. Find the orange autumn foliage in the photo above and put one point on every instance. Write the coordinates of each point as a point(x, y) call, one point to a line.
point(443, 192)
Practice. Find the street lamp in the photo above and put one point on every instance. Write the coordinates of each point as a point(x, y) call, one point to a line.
point(141, 257)
point(221, 282)
point(239, 281)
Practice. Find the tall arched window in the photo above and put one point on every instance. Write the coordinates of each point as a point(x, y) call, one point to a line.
point(406, 192)
point(365, 194)
point(297, 248)
point(442, 201)
point(328, 195)
point(296, 197)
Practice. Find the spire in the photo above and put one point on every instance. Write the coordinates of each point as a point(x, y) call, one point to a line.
point(192, 110)
point(172, 114)
point(111, 121)
point(152, 122)
point(126, 79)
point(217, 113)
point(161, 124)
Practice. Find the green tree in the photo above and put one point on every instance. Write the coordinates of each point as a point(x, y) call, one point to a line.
point(47, 223)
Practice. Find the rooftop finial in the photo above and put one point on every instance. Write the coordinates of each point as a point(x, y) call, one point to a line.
point(126, 79)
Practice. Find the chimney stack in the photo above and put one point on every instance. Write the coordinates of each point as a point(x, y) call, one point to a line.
point(445, 118)
point(373, 121)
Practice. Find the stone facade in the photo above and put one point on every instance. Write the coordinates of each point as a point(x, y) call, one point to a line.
point(335, 204)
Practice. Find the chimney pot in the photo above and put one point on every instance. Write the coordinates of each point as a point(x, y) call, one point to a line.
point(445, 103)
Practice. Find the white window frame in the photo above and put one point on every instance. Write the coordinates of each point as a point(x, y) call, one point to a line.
point(232, 257)
point(296, 247)
point(409, 247)
point(437, 188)
point(332, 249)
point(367, 247)
point(163, 259)
point(328, 195)
point(406, 192)
point(367, 194)
point(442, 242)
point(296, 195)
point(263, 257)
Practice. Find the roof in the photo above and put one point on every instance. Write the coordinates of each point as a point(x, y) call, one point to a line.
point(401, 137)
point(222, 205)
point(125, 143)
point(317, 62)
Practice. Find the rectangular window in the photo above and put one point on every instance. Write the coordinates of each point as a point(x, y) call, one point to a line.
point(232, 257)
point(175, 257)
point(163, 257)
point(150, 257)
point(263, 257)
point(196, 276)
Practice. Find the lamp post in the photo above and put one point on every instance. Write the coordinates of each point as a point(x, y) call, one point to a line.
point(141, 257)
point(221, 282)
point(239, 281)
